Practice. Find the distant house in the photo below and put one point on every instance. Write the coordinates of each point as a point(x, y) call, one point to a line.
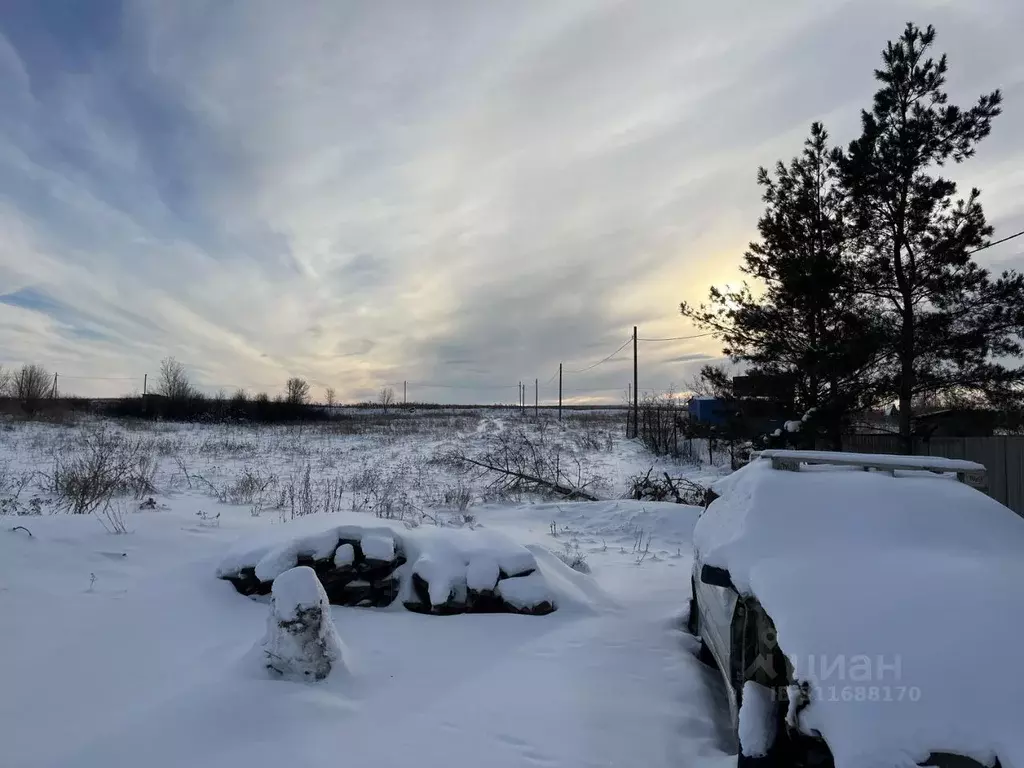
point(956, 422)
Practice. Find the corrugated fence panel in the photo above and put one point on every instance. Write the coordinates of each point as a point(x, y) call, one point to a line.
point(990, 451)
point(1015, 473)
point(1003, 457)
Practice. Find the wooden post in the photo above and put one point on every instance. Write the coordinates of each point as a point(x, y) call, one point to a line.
point(559, 391)
point(145, 383)
point(629, 415)
point(636, 401)
point(405, 393)
point(53, 392)
point(536, 399)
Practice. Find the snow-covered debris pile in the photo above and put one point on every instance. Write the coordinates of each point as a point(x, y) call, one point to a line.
point(438, 571)
point(464, 571)
point(355, 565)
point(860, 573)
point(301, 642)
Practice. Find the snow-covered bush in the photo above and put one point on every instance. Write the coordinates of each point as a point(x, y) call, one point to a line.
point(573, 556)
point(301, 641)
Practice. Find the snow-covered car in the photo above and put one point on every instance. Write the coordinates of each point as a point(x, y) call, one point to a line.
point(863, 611)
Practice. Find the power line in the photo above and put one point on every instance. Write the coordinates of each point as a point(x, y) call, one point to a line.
point(997, 242)
point(682, 338)
point(101, 378)
point(460, 386)
point(605, 360)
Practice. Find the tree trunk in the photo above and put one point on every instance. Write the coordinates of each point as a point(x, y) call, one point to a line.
point(907, 382)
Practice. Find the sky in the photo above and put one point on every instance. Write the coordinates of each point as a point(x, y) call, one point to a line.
point(456, 194)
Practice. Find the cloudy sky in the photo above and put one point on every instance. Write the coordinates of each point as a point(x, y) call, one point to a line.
point(450, 193)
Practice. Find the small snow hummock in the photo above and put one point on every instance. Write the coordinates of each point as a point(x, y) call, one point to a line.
point(378, 547)
point(757, 720)
point(445, 577)
point(344, 555)
point(301, 642)
point(482, 573)
point(524, 592)
point(319, 546)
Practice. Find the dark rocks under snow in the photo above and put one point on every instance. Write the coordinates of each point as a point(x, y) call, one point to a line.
point(434, 571)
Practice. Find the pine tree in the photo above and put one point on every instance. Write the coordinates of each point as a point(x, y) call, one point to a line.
point(947, 321)
point(808, 321)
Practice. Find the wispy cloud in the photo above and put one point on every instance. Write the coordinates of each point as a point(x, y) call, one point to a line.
point(459, 194)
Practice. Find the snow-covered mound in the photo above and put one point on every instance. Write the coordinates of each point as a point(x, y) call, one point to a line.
point(356, 565)
point(440, 571)
point(899, 600)
point(301, 641)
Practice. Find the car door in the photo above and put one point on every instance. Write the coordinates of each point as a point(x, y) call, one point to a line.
point(717, 605)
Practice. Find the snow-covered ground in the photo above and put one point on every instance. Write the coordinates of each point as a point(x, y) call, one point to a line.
point(127, 650)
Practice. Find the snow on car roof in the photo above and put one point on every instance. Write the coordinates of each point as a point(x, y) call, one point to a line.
point(876, 459)
point(903, 594)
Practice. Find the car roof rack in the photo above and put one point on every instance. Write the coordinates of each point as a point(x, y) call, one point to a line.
point(968, 472)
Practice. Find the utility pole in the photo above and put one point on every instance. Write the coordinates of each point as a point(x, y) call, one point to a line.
point(629, 415)
point(636, 402)
point(405, 393)
point(145, 383)
point(559, 391)
point(536, 399)
point(53, 392)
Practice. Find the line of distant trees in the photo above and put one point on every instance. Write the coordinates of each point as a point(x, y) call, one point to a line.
point(33, 390)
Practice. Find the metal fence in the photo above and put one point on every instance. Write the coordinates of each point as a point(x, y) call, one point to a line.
point(1002, 456)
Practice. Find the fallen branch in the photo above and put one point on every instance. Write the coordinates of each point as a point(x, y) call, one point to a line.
point(22, 528)
point(571, 493)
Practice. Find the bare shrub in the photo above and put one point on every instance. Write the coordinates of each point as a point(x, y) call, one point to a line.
point(641, 545)
point(382, 493)
point(304, 494)
point(108, 465)
point(387, 398)
point(662, 423)
point(249, 487)
point(113, 516)
point(519, 462)
point(573, 556)
point(12, 485)
point(457, 496)
point(677, 490)
point(330, 397)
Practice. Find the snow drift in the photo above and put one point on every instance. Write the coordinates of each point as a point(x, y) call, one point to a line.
point(301, 641)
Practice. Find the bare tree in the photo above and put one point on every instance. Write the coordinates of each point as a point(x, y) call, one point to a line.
point(31, 384)
point(330, 397)
point(296, 391)
point(387, 398)
point(173, 381)
point(5, 382)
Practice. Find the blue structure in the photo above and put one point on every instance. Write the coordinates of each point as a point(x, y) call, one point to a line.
point(708, 410)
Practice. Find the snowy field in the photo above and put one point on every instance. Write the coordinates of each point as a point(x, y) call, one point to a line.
point(125, 649)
